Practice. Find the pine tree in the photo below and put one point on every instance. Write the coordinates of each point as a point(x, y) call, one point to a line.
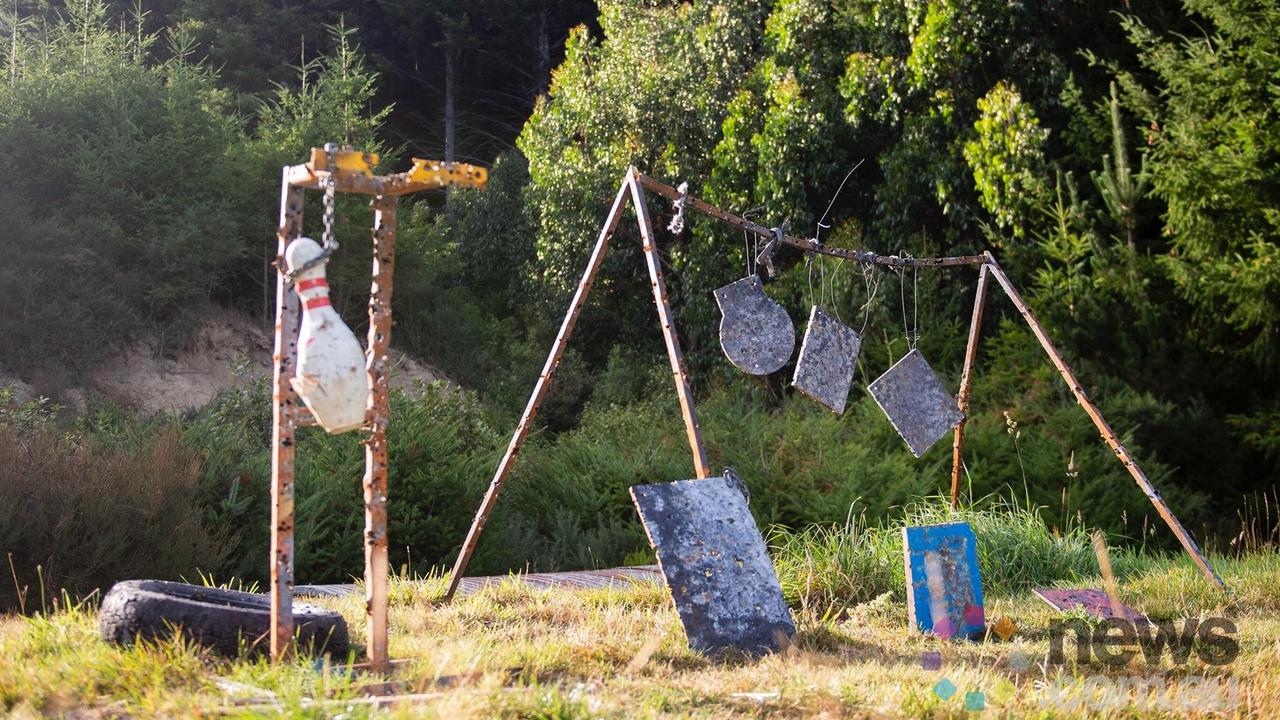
point(1119, 187)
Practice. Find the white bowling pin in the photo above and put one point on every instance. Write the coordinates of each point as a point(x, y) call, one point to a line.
point(331, 376)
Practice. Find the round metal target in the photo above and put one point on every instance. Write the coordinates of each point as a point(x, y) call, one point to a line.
point(756, 333)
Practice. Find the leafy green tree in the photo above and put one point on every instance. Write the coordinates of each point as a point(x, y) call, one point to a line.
point(1007, 157)
point(254, 44)
point(1117, 184)
point(334, 101)
point(652, 92)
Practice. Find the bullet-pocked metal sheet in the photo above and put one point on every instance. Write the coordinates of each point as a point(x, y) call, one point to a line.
point(828, 354)
point(756, 333)
point(916, 402)
point(715, 564)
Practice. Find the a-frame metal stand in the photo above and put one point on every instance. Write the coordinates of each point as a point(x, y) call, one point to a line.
point(634, 186)
point(353, 174)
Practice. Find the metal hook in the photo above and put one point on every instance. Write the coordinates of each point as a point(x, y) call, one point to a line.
point(677, 222)
point(771, 248)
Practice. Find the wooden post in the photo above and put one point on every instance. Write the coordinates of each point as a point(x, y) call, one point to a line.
point(375, 455)
point(962, 397)
point(284, 403)
point(539, 391)
point(1108, 435)
point(674, 354)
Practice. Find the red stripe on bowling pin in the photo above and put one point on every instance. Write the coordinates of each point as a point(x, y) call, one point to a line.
point(313, 303)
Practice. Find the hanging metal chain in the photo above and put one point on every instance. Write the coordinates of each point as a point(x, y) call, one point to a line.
point(328, 243)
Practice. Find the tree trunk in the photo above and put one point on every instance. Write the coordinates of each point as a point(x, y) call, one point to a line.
point(543, 83)
point(450, 100)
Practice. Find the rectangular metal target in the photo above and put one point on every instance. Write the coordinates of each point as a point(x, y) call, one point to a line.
point(916, 402)
point(716, 565)
point(828, 354)
point(944, 585)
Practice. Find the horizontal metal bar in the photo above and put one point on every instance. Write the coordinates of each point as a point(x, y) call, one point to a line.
point(806, 244)
point(354, 182)
point(302, 417)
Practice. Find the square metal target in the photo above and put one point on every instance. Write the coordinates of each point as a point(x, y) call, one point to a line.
point(824, 371)
point(916, 402)
point(716, 565)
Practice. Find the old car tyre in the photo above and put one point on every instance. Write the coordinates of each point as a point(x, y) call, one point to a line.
point(222, 620)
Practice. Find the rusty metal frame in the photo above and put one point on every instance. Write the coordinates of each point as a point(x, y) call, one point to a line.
point(376, 568)
point(635, 183)
point(284, 421)
point(1104, 428)
point(287, 412)
point(632, 185)
point(966, 376)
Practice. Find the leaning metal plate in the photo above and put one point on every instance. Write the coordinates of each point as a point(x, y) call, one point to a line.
point(824, 371)
point(1095, 603)
point(920, 408)
point(755, 332)
point(716, 565)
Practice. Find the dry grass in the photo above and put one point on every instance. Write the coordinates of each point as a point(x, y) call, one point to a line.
point(75, 512)
point(513, 652)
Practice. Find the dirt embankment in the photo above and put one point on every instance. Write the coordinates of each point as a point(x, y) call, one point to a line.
point(229, 350)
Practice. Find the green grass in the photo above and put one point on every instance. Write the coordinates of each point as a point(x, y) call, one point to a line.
point(830, 566)
point(513, 652)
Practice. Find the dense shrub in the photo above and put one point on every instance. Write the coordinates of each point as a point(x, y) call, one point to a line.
point(82, 511)
point(567, 505)
point(194, 491)
point(442, 451)
point(115, 203)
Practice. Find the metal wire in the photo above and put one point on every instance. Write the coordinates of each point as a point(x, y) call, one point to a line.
point(817, 233)
point(910, 332)
point(871, 280)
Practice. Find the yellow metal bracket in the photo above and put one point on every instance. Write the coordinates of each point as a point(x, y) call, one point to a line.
point(354, 174)
point(434, 173)
point(347, 161)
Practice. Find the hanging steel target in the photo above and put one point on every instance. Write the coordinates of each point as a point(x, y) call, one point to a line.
point(756, 333)
point(828, 354)
point(916, 402)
